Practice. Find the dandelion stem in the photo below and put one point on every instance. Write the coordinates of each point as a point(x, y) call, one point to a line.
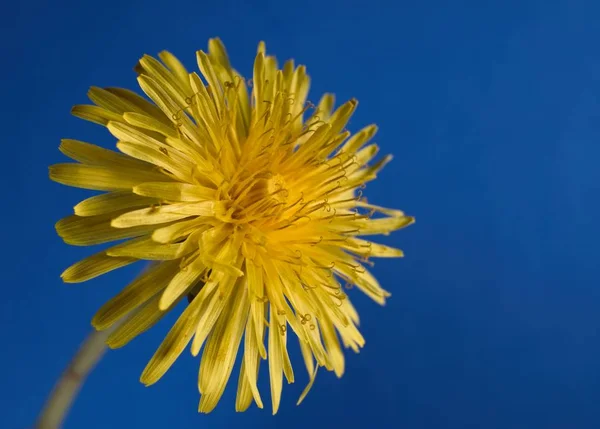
point(66, 389)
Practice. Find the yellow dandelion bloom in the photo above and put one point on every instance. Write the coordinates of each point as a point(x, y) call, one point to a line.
point(249, 200)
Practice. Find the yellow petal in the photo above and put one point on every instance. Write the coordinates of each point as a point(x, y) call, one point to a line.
point(227, 259)
point(190, 244)
point(163, 214)
point(329, 305)
point(355, 142)
point(171, 233)
point(341, 116)
point(139, 322)
point(138, 104)
point(177, 68)
point(271, 278)
point(360, 159)
point(149, 123)
point(325, 106)
point(251, 360)
point(309, 386)
point(288, 73)
point(310, 146)
point(334, 351)
point(243, 102)
point(112, 202)
point(262, 47)
point(170, 152)
point(367, 174)
point(287, 364)
point(221, 350)
point(209, 74)
point(175, 191)
point(102, 178)
point(173, 344)
point(384, 210)
point(178, 168)
point(171, 108)
point(153, 90)
point(185, 279)
point(368, 248)
point(95, 114)
point(351, 311)
point(147, 249)
point(351, 337)
point(87, 153)
point(206, 111)
point(93, 266)
point(90, 230)
point(167, 81)
point(257, 303)
point(215, 303)
point(307, 356)
point(244, 397)
point(364, 280)
point(110, 101)
point(384, 225)
point(299, 87)
point(217, 52)
point(148, 284)
point(275, 359)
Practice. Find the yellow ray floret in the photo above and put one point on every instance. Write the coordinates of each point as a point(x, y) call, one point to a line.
point(248, 200)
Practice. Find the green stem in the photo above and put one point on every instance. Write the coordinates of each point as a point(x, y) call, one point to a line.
point(66, 389)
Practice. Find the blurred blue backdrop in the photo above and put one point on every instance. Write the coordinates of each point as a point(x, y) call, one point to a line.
point(492, 111)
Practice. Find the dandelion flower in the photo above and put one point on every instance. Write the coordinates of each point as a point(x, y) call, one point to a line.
point(248, 198)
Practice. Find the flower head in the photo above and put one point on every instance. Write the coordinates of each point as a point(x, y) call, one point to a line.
point(249, 202)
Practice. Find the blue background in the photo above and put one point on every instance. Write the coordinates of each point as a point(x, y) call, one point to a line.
point(492, 111)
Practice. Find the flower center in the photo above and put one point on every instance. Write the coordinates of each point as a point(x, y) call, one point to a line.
point(259, 199)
